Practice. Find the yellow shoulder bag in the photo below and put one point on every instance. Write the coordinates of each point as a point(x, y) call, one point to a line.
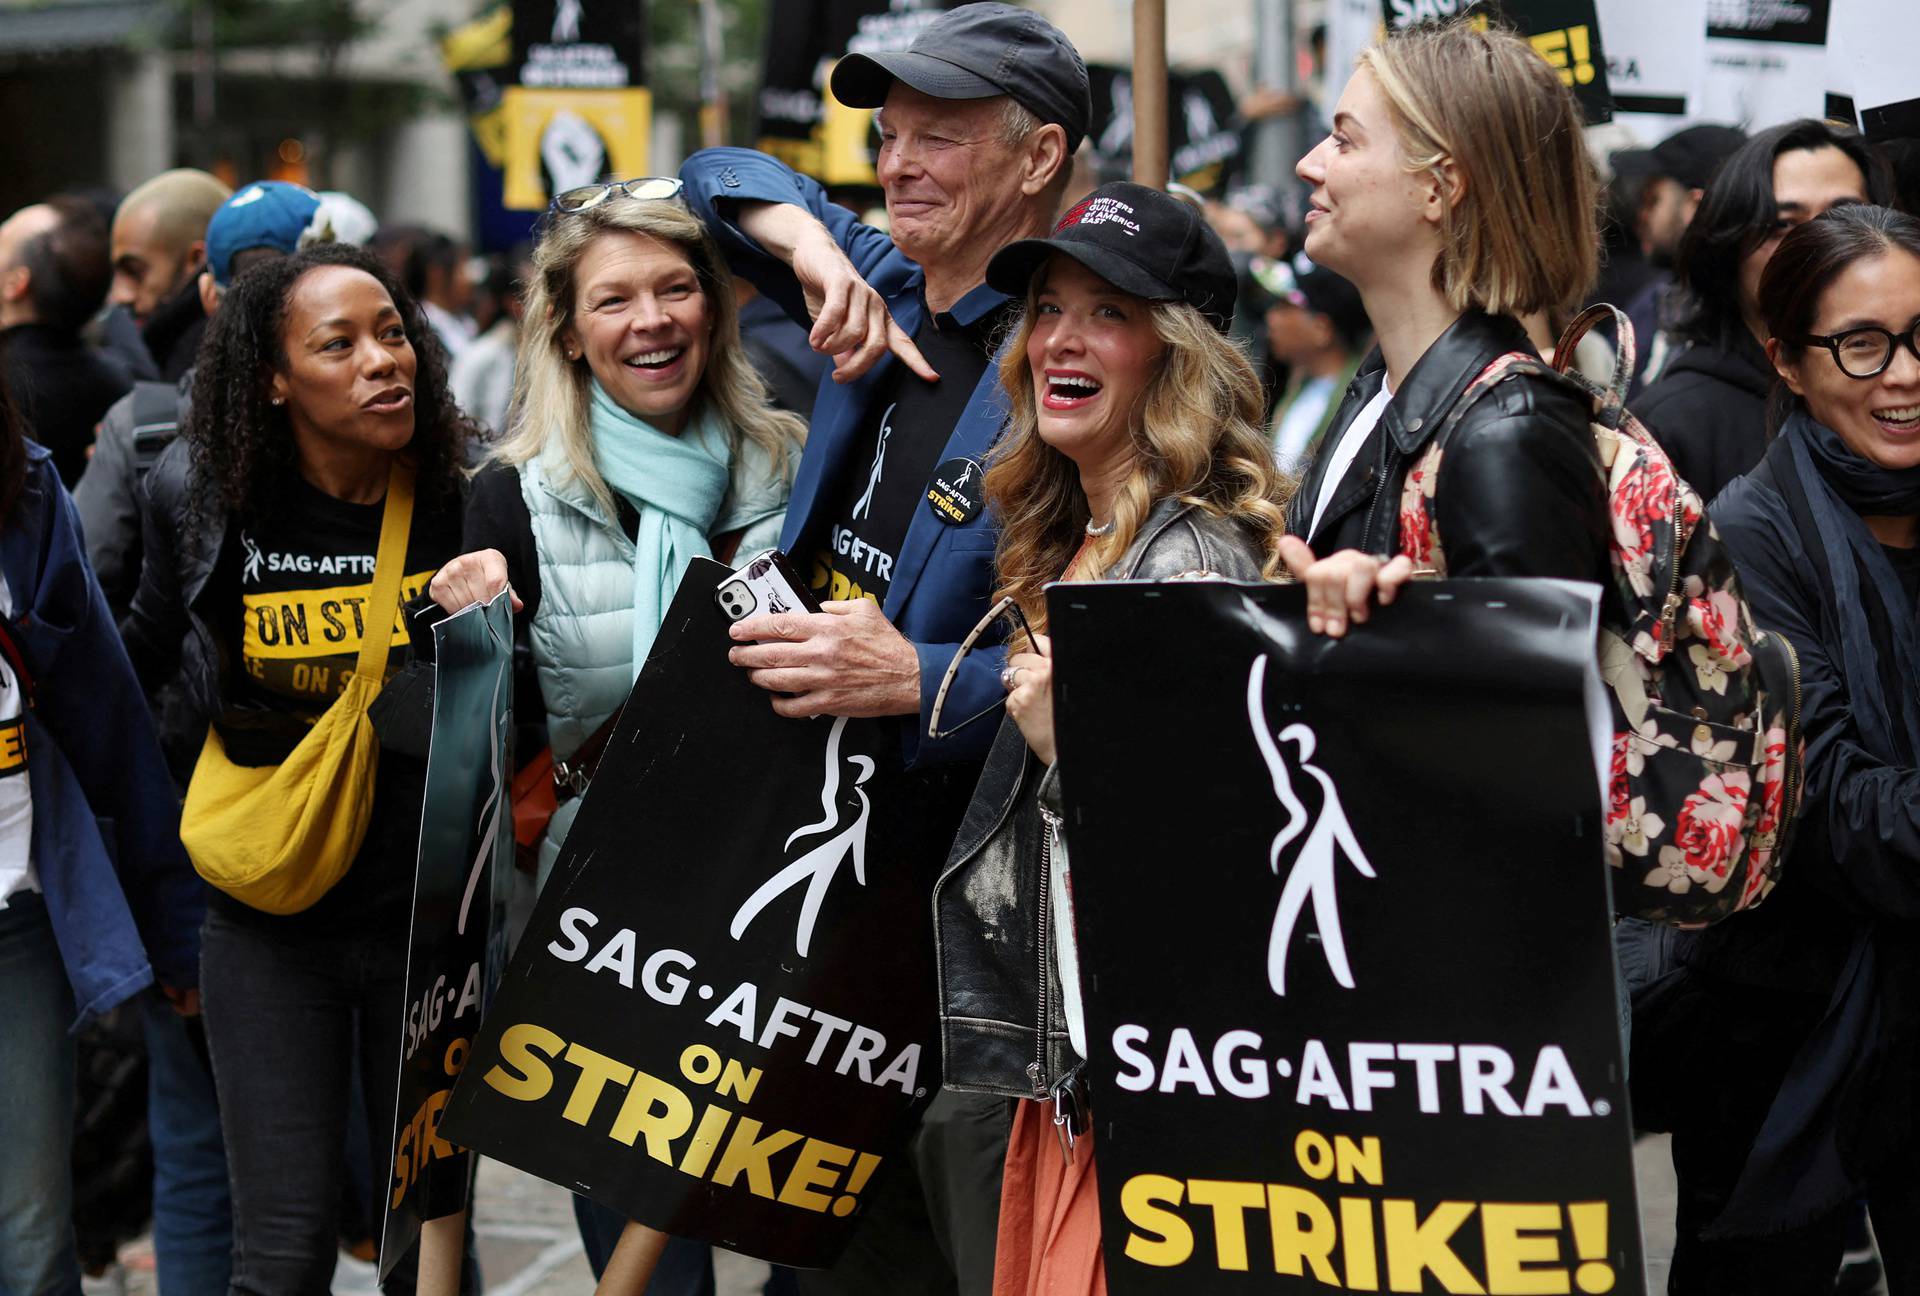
point(277, 837)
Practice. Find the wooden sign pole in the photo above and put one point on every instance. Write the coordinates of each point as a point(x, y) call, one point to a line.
point(1150, 159)
point(442, 1247)
point(634, 1259)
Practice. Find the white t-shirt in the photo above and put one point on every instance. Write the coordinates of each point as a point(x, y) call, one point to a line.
point(1344, 452)
point(16, 797)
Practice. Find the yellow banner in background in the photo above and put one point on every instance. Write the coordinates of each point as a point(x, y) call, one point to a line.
point(486, 42)
point(571, 137)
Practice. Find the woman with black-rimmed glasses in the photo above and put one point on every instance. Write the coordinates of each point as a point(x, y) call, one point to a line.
point(1801, 1018)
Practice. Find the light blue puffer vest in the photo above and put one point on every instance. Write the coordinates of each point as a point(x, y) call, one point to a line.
point(582, 632)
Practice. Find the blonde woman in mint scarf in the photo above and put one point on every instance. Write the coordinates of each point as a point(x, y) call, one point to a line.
point(639, 438)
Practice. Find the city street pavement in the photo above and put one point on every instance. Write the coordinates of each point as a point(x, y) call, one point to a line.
point(528, 1246)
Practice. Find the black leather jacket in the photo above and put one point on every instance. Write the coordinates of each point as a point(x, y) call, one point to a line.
point(1002, 1018)
point(166, 628)
point(1520, 490)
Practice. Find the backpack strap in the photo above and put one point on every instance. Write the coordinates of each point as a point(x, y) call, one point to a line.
point(156, 421)
point(10, 650)
point(1419, 530)
point(1610, 401)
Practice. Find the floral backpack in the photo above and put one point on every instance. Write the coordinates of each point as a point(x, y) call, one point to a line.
point(1706, 707)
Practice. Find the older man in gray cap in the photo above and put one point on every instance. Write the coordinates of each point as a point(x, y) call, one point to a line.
point(978, 121)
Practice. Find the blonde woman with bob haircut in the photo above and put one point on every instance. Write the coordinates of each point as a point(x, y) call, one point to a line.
point(1134, 450)
point(639, 438)
point(1456, 194)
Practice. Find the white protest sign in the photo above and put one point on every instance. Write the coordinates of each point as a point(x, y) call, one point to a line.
point(1656, 58)
point(1876, 68)
point(1766, 62)
point(1352, 25)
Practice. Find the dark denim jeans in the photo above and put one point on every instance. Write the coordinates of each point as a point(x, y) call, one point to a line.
point(192, 1215)
point(281, 1011)
point(36, 1107)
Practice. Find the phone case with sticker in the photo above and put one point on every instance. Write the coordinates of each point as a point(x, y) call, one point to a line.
point(764, 583)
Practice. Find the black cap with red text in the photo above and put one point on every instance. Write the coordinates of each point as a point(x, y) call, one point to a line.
point(1141, 241)
point(978, 51)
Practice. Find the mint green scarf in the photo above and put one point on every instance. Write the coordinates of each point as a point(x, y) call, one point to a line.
point(676, 484)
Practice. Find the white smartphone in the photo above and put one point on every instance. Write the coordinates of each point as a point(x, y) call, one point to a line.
point(766, 582)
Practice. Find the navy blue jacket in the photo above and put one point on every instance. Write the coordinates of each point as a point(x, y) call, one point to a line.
point(944, 575)
point(123, 899)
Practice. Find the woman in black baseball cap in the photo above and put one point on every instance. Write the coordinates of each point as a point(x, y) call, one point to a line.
point(1134, 450)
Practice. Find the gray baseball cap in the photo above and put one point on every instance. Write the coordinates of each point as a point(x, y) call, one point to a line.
point(978, 51)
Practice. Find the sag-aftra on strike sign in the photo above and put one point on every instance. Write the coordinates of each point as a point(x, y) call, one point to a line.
point(1347, 965)
point(720, 1020)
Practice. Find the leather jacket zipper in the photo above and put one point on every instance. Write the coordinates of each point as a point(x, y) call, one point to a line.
point(1379, 491)
point(1050, 824)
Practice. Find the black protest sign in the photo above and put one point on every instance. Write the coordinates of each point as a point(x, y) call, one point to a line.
point(1344, 929)
point(577, 45)
point(458, 942)
point(800, 121)
point(1203, 124)
point(720, 1021)
point(578, 110)
point(1565, 32)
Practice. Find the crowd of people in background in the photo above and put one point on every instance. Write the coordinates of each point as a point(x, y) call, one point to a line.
point(210, 395)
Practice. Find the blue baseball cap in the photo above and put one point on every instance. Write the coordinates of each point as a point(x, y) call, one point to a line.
point(265, 214)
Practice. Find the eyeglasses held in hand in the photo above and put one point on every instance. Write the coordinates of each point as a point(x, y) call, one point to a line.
point(1867, 351)
point(645, 188)
point(1005, 614)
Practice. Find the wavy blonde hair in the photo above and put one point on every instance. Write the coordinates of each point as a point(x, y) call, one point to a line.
point(1525, 234)
point(1198, 437)
point(551, 393)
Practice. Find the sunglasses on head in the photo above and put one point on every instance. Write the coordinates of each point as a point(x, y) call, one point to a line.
point(645, 188)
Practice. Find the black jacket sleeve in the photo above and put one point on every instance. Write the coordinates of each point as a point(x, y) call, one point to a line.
point(497, 518)
point(1520, 491)
point(1862, 813)
point(110, 509)
point(157, 623)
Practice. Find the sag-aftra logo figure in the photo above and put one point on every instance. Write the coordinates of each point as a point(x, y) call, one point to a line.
point(819, 865)
point(1316, 864)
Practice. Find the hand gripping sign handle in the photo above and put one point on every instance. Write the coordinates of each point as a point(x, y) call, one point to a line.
point(630, 1267)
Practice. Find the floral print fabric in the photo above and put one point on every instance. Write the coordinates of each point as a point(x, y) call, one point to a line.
point(1706, 746)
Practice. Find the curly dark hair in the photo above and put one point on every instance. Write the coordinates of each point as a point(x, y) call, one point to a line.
point(243, 448)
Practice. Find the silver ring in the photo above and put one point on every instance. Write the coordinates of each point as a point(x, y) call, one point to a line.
point(1009, 677)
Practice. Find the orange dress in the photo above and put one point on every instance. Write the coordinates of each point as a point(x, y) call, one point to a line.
point(1049, 1242)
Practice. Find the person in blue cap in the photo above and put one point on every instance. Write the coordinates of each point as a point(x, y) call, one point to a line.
point(978, 120)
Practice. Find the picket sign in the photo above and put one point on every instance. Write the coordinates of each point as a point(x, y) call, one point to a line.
point(456, 942)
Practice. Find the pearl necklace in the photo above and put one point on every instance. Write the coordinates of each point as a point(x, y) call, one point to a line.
point(1097, 531)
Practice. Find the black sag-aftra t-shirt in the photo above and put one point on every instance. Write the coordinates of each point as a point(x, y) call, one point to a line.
point(906, 432)
point(306, 580)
